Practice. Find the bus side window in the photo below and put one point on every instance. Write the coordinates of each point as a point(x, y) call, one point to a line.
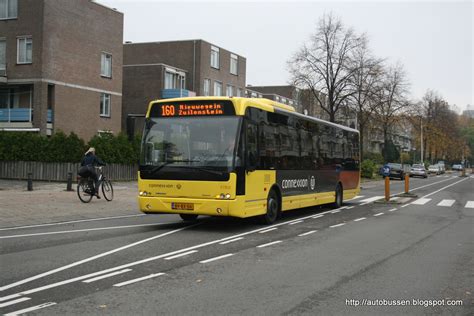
point(252, 153)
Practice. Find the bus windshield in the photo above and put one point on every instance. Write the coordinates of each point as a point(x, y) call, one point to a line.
point(199, 143)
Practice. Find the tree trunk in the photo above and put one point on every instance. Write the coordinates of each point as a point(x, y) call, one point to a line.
point(361, 142)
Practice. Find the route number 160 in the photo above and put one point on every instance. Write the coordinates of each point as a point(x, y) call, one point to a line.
point(167, 110)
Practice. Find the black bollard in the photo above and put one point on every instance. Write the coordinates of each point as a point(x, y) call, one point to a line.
point(69, 181)
point(30, 182)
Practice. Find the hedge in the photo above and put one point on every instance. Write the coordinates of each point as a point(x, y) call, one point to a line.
point(21, 146)
point(368, 167)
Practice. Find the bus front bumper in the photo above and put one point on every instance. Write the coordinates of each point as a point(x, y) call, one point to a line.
point(212, 207)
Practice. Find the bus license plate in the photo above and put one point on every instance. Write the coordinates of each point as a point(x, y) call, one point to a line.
point(182, 206)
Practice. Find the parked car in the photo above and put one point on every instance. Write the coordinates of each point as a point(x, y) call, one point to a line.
point(434, 169)
point(418, 170)
point(396, 170)
point(457, 167)
point(442, 166)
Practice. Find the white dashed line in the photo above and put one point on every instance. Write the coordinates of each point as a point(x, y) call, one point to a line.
point(392, 210)
point(297, 222)
point(307, 233)
point(378, 214)
point(30, 309)
point(269, 244)
point(15, 302)
point(229, 241)
point(267, 230)
point(107, 275)
point(469, 204)
point(216, 258)
point(360, 219)
point(317, 216)
point(405, 205)
point(421, 201)
point(349, 207)
point(335, 211)
point(181, 254)
point(139, 279)
point(337, 225)
point(447, 203)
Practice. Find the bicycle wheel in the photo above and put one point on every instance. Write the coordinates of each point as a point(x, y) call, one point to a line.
point(84, 191)
point(107, 190)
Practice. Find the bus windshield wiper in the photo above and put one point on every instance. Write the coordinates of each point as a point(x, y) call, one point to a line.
point(168, 162)
point(204, 169)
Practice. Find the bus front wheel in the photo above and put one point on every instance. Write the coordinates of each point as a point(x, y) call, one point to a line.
point(339, 198)
point(188, 217)
point(273, 209)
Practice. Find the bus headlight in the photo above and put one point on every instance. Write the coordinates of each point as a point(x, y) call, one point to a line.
point(227, 196)
point(143, 193)
point(222, 196)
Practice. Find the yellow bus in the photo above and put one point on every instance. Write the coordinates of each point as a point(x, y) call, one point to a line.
point(242, 157)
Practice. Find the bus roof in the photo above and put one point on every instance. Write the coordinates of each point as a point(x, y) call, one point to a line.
point(265, 104)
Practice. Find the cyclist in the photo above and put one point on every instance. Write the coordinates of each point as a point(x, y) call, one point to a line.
point(88, 164)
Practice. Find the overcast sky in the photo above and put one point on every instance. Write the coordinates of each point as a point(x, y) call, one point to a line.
point(433, 40)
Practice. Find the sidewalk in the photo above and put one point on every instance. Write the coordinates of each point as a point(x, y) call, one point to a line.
point(49, 202)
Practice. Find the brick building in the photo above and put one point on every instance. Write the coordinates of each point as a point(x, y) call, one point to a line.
point(60, 66)
point(159, 70)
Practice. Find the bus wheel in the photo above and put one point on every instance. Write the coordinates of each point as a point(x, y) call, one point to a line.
point(339, 197)
point(273, 209)
point(188, 217)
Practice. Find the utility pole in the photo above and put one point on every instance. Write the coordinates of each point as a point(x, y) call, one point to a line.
point(421, 140)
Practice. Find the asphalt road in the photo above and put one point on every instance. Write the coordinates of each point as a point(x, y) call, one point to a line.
point(365, 258)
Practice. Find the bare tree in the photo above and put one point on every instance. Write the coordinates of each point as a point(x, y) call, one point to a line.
point(392, 101)
point(365, 81)
point(323, 66)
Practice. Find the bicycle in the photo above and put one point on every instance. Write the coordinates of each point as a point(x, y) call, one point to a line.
point(85, 187)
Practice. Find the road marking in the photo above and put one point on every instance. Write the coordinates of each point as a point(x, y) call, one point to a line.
point(335, 211)
point(349, 207)
point(297, 222)
point(30, 309)
point(357, 197)
point(269, 244)
point(360, 219)
point(229, 241)
point(181, 255)
point(405, 205)
point(154, 275)
point(423, 186)
point(38, 276)
point(107, 275)
point(216, 258)
point(15, 302)
point(447, 203)
point(378, 214)
point(469, 204)
point(81, 230)
point(267, 230)
point(421, 201)
point(371, 199)
point(307, 233)
point(337, 225)
point(317, 216)
point(127, 265)
point(392, 210)
point(450, 185)
point(72, 222)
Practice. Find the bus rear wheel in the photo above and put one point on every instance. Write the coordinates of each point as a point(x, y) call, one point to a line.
point(339, 197)
point(188, 217)
point(273, 209)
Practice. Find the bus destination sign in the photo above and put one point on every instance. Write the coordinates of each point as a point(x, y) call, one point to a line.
point(192, 108)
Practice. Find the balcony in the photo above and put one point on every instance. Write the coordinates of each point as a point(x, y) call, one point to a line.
point(20, 115)
point(176, 93)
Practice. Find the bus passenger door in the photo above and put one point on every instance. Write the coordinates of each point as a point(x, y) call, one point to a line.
point(255, 193)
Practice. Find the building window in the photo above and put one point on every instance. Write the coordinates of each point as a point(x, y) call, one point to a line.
point(106, 65)
point(239, 92)
point(207, 87)
point(174, 79)
point(105, 104)
point(234, 62)
point(229, 91)
point(217, 88)
point(8, 9)
point(214, 57)
point(3, 59)
point(25, 50)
